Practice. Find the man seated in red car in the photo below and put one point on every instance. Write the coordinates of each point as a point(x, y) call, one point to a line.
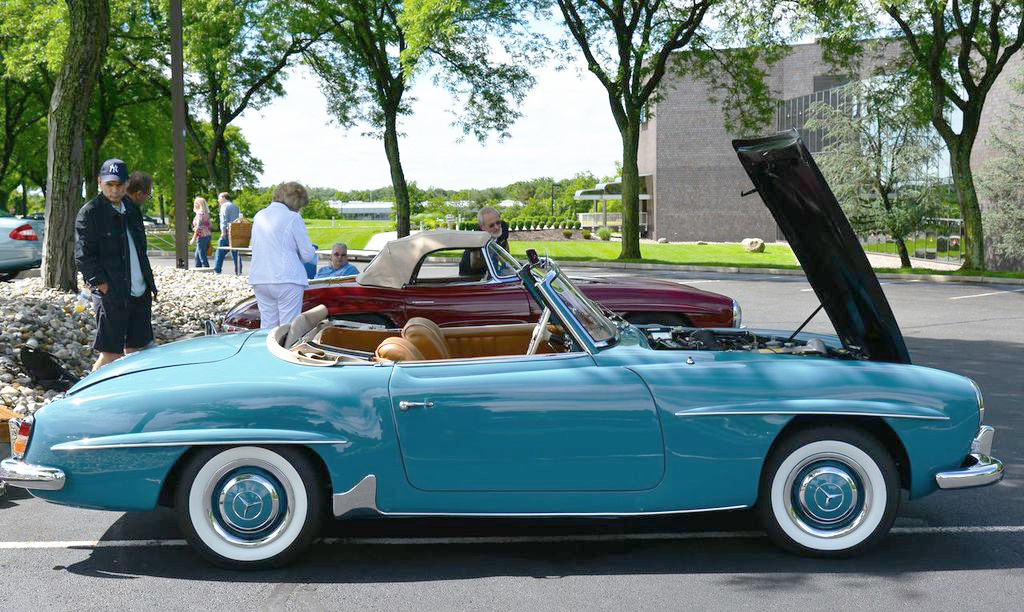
point(489, 220)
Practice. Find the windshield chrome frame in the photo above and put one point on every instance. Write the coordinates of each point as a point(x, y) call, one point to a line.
point(492, 266)
point(555, 301)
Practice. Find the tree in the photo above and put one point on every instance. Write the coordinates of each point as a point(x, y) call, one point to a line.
point(956, 50)
point(877, 158)
point(627, 46)
point(367, 61)
point(236, 53)
point(23, 108)
point(83, 56)
point(630, 46)
point(1002, 180)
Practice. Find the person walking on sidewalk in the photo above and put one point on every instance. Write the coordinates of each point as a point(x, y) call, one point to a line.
point(228, 213)
point(110, 251)
point(201, 231)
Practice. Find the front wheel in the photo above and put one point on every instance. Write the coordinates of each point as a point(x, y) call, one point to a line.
point(249, 507)
point(828, 492)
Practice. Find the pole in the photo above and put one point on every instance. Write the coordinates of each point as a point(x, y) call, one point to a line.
point(178, 118)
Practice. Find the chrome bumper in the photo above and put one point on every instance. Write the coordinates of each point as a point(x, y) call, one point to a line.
point(979, 468)
point(27, 476)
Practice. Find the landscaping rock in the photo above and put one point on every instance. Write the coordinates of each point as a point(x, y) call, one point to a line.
point(753, 245)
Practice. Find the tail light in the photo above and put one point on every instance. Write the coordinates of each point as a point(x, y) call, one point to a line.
point(24, 232)
point(21, 432)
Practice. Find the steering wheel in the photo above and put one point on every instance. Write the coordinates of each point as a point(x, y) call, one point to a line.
point(540, 332)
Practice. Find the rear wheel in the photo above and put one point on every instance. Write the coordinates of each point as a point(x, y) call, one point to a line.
point(828, 492)
point(249, 506)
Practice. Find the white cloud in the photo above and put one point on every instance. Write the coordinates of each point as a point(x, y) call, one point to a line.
point(566, 128)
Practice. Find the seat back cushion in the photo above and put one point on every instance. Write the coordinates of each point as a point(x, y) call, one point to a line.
point(427, 337)
point(397, 349)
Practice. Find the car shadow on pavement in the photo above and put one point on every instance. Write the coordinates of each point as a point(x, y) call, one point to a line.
point(371, 551)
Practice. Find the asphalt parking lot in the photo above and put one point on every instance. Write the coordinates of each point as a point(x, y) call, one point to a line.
point(951, 550)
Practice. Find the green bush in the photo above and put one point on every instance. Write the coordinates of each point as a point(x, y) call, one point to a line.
point(567, 233)
point(604, 233)
point(576, 225)
point(586, 234)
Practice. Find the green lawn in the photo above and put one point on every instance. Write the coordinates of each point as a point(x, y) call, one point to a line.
point(774, 256)
point(323, 232)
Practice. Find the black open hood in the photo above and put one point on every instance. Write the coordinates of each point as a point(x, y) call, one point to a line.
point(795, 191)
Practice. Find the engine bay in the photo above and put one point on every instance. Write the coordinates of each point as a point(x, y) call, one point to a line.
point(703, 339)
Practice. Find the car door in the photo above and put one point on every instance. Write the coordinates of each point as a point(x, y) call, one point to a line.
point(540, 423)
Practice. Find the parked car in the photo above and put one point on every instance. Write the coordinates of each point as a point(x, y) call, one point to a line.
point(21, 244)
point(429, 275)
point(580, 414)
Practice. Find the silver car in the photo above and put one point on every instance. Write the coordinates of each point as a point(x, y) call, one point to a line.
point(21, 244)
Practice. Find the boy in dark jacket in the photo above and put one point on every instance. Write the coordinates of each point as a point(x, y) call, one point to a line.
point(110, 250)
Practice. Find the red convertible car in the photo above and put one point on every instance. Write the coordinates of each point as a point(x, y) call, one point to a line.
point(458, 278)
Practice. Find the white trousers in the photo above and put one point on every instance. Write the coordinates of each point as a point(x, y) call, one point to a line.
point(278, 302)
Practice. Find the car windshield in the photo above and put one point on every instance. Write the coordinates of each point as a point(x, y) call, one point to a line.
point(589, 314)
point(505, 266)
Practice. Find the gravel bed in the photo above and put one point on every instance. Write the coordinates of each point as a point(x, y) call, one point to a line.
point(59, 323)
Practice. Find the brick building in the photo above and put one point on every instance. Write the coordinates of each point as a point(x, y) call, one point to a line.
point(694, 178)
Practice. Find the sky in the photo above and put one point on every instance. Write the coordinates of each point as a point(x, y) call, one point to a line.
point(566, 128)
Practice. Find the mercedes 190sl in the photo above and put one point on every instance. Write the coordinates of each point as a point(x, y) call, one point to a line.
point(254, 437)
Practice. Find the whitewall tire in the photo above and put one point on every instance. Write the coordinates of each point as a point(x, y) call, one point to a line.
point(249, 506)
point(828, 491)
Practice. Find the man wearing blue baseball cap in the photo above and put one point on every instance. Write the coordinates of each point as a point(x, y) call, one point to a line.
point(110, 250)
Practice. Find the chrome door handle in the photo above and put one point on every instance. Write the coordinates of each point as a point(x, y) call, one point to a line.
point(421, 301)
point(405, 405)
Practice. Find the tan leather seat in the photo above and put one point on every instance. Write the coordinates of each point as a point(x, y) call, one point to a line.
point(397, 349)
point(427, 337)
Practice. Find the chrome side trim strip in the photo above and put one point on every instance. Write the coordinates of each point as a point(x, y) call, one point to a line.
point(76, 446)
point(363, 496)
point(682, 413)
point(562, 514)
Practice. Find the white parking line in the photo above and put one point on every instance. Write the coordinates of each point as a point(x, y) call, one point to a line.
point(692, 535)
point(964, 297)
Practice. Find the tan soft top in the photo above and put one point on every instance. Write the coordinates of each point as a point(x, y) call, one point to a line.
point(393, 266)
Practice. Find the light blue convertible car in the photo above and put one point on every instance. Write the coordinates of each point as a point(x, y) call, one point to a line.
point(581, 414)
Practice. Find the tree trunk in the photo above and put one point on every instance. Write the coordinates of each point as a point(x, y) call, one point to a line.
point(630, 189)
point(901, 247)
point(397, 175)
point(970, 210)
point(69, 104)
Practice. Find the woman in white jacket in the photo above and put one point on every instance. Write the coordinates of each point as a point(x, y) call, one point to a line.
point(280, 244)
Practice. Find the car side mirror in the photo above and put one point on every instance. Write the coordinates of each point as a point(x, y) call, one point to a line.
point(532, 257)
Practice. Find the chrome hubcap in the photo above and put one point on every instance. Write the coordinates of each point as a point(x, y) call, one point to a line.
point(829, 495)
point(247, 504)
